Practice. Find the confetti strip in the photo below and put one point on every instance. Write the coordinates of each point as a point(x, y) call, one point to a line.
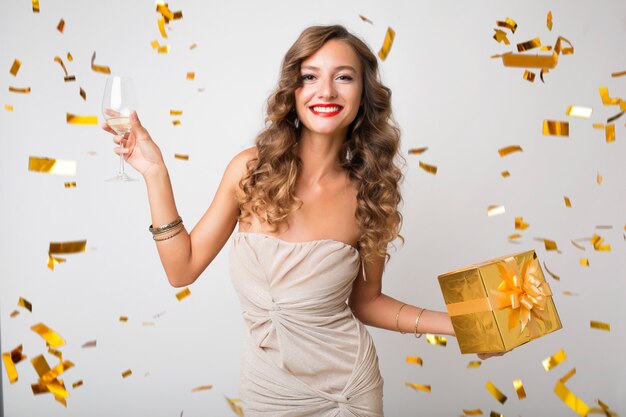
point(176, 122)
point(161, 49)
point(193, 46)
point(8, 107)
point(74, 119)
point(436, 340)
point(571, 400)
point(500, 36)
point(67, 77)
point(474, 364)
point(70, 184)
point(606, 99)
point(89, 344)
point(14, 313)
point(529, 76)
point(495, 210)
point(428, 168)
point(549, 20)
point(52, 166)
point(584, 262)
point(166, 13)
point(552, 274)
point(497, 394)
point(505, 174)
point(617, 116)
point(83, 94)
point(519, 224)
point(519, 389)
point(417, 151)
point(474, 412)
point(384, 50)
point(569, 293)
point(599, 178)
point(494, 414)
point(202, 388)
point(528, 45)
point(99, 68)
point(598, 245)
point(568, 203)
point(508, 23)
point(618, 74)
point(509, 150)
point(35, 4)
point(549, 244)
point(15, 67)
point(61, 25)
point(600, 325)
point(77, 384)
point(609, 133)
point(555, 128)
point(365, 19)
point(147, 323)
point(25, 90)
point(579, 111)
point(176, 112)
point(68, 247)
point(123, 319)
point(49, 335)
point(554, 360)
point(598, 126)
point(232, 402)
point(414, 359)
point(9, 366)
point(127, 373)
point(25, 303)
point(191, 76)
point(514, 236)
point(161, 24)
point(183, 294)
point(425, 388)
point(181, 156)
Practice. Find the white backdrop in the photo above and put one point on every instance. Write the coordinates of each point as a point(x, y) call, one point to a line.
point(447, 95)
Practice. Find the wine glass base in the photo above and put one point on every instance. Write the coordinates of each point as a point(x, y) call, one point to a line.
point(121, 177)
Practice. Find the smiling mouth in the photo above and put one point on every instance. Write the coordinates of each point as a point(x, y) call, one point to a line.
point(326, 111)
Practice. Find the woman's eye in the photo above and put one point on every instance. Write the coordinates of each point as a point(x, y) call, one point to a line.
point(307, 77)
point(345, 78)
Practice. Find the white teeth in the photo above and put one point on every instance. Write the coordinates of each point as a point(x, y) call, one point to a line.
point(326, 109)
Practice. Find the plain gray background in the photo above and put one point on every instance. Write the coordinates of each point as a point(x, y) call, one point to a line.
point(448, 95)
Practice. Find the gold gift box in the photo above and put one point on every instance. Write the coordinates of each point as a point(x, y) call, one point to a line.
point(499, 304)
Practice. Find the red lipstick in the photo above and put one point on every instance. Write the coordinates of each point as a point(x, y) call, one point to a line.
point(325, 112)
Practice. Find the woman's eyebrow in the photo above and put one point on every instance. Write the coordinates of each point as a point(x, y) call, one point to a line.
point(339, 68)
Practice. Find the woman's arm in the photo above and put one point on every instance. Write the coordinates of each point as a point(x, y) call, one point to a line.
point(374, 308)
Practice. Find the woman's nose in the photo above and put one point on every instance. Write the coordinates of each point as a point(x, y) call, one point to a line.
point(326, 89)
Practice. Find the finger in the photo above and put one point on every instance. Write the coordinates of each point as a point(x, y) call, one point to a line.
point(111, 113)
point(134, 120)
point(117, 139)
point(119, 150)
point(107, 128)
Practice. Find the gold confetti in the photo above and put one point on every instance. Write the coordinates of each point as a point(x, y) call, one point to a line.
point(549, 244)
point(598, 126)
point(183, 294)
point(529, 76)
point(99, 68)
point(67, 77)
point(555, 128)
point(83, 94)
point(384, 50)
point(167, 13)
point(193, 46)
point(494, 414)
point(610, 133)
point(603, 410)
point(549, 20)
point(417, 151)
point(127, 373)
point(568, 397)
point(14, 313)
point(414, 359)
point(552, 274)
point(514, 236)
point(519, 389)
point(428, 168)
point(176, 122)
point(89, 344)
point(68, 247)
point(494, 210)
point(232, 402)
point(579, 111)
point(543, 71)
point(70, 184)
point(519, 224)
point(510, 149)
point(584, 262)
point(528, 45)
point(77, 384)
point(202, 388)
point(606, 99)
point(600, 325)
point(474, 412)
point(147, 323)
point(508, 23)
point(505, 174)
point(8, 107)
point(617, 116)
point(81, 120)
point(54, 260)
point(70, 57)
point(15, 67)
point(35, 6)
point(418, 386)
point(9, 366)
point(599, 178)
point(123, 319)
point(61, 25)
point(161, 23)
point(181, 156)
point(161, 49)
point(176, 112)
point(25, 90)
point(568, 203)
point(497, 394)
point(49, 335)
point(500, 36)
point(474, 364)
point(436, 340)
point(606, 227)
point(598, 245)
point(52, 166)
point(191, 76)
point(569, 293)
point(365, 19)
point(554, 360)
point(618, 74)
point(25, 303)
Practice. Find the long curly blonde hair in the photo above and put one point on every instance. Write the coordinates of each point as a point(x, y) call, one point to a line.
point(373, 141)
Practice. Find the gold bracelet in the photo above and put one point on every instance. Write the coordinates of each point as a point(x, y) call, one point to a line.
point(182, 227)
point(398, 318)
point(416, 322)
point(166, 227)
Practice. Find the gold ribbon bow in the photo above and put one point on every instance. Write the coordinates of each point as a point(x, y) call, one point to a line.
point(523, 291)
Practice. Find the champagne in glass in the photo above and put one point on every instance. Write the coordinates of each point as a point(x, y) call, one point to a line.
point(117, 104)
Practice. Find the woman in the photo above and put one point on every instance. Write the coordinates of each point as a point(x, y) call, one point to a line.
point(317, 205)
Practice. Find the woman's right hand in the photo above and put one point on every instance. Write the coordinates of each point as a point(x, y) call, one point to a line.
point(139, 149)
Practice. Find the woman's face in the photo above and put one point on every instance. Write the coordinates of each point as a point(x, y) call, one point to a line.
point(330, 95)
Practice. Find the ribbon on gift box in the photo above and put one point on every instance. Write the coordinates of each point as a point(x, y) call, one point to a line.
point(521, 290)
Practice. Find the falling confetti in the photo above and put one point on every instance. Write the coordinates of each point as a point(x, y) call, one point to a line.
point(127, 373)
point(554, 360)
point(529, 76)
point(428, 168)
point(508, 23)
point(436, 340)
point(365, 19)
point(183, 294)
point(520, 224)
point(182, 157)
point(99, 68)
point(509, 150)
point(47, 334)
point(417, 151)
point(555, 128)
point(495, 210)
point(15, 67)
point(549, 20)
point(474, 364)
point(600, 325)
point(51, 166)
point(25, 303)
point(519, 389)
point(552, 274)
point(579, 111)
point(414, 359)
point(18, 90)
point(389, 37)
point(191, 76)
point(61, 25)
point(425, 388)
point(474, 412)
point(202, 388)
point(571, 400)
point(584, 262)
point(35, 4)
point(89, 344)
point(81, 120)
point(568, 203)
point(497, 394)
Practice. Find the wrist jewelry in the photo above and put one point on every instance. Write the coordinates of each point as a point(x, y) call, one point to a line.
point(398, 318)
point(417, 320)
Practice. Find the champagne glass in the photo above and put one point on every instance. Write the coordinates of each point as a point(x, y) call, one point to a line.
point(117, 104)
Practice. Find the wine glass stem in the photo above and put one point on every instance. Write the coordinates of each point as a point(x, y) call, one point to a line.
point(122, 158)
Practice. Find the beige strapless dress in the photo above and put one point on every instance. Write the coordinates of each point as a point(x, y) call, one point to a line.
point(305, 353)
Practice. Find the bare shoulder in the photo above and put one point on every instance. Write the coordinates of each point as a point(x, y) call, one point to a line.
point(238, 166)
